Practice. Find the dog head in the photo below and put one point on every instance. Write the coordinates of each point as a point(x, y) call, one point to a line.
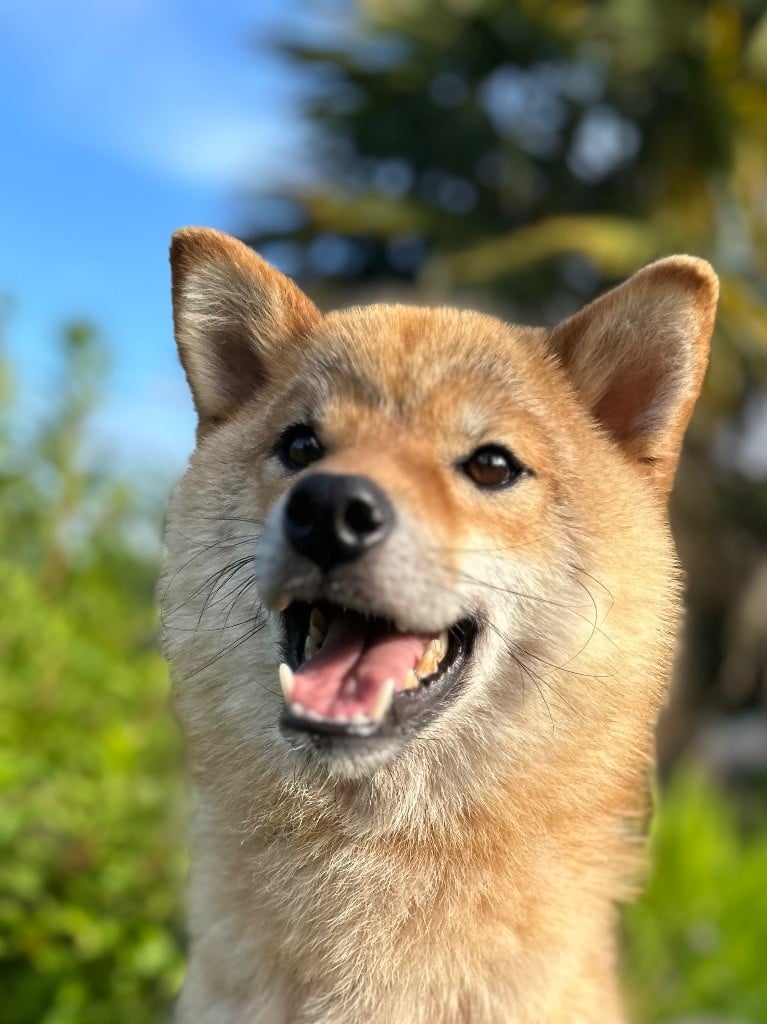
point(421, 544)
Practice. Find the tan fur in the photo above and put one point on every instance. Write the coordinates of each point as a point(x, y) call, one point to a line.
point(474, 877)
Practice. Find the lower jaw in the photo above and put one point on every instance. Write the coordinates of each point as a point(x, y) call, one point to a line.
point(346, 758)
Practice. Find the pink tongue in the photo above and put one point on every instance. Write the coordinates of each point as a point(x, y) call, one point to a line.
point(347, 673)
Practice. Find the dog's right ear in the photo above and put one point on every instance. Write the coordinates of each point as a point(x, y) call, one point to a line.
point(232, 315)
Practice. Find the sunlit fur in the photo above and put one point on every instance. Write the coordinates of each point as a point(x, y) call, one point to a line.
point(472, 875)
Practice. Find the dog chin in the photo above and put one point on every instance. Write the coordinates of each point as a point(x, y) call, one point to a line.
point(346, 759)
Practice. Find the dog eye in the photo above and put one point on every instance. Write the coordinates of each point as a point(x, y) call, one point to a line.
point(492, 466)
point(299, 446)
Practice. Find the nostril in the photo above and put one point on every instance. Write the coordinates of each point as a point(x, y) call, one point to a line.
point(362, 517)
point(301, 509)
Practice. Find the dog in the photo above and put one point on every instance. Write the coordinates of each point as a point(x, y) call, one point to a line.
point(420, 601)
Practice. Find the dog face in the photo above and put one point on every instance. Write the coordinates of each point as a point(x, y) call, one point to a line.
point(421, 546)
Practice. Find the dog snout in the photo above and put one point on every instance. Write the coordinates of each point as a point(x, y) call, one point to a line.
point(332, 518)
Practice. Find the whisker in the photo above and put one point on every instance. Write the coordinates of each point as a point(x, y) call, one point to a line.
point(210, 629)
point(203, 549)
point(607, 591)
point(241, 589)
point(211, 580)
point(443, 549)
point(536, 679)
point(249, 582)
point(563, 667)
point(257, 627)
point(222, 582)
point(226, 519)
point(511, 592)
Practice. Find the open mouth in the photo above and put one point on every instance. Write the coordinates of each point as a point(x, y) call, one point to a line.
point(354, 675)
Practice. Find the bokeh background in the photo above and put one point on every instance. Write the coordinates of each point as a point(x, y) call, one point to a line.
point(517, 156)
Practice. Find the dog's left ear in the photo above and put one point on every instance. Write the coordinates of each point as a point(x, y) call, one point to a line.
point(637, 356)
point(236, 319)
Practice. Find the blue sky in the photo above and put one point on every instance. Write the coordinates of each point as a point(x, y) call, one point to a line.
point(120, 122)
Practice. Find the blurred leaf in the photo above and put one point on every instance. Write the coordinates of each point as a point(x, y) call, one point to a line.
point(614, 246)
point(696, 938)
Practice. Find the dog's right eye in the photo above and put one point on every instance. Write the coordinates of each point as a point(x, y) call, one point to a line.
point(298, 447)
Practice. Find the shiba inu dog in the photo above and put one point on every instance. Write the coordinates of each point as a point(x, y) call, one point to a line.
point(419, 603)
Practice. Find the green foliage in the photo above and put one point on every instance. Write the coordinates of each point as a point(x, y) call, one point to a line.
point(697, 938)
point(89, 861)
point(90, 796)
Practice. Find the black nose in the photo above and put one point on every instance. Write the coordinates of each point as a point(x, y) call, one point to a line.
point(333, 518)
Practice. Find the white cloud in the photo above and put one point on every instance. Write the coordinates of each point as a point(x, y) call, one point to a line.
point(169, 87)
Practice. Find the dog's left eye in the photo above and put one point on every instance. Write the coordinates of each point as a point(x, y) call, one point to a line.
point(299, 446)
point(492, 466)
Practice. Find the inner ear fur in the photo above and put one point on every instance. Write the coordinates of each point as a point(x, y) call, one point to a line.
point(233, 316)
point(637, 357)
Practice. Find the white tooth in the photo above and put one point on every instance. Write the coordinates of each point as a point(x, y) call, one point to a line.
point(286, 682)
point(320, 623)
point(358, 718)
point(316, 635)
point(341, 719)
point(280, 602)
point(313, 716)
point(382, 702)
point(410, 681)
point(297, 710)
point(310, 647)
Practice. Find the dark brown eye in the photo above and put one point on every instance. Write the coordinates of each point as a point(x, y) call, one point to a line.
point(299, 446)
point(492, 466)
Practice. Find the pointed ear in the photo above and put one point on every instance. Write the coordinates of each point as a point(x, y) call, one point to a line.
point(232, 314)
point(637, 356)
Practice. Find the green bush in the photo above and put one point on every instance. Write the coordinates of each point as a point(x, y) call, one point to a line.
point(90, 854)
point(697, 938)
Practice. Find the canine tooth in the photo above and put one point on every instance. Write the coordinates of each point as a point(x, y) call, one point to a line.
point(319, 622)
point(443, 642)
point(427, 665)
point(382, 702)
point(410, 682)
point(438, 647)
point(286, 682)
point(310, 646)
point(316, 635)
point(280, 602)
